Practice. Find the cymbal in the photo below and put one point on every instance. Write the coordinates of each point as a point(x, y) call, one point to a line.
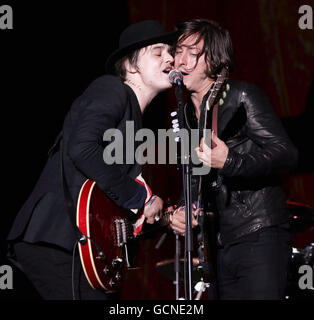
point(167, 269)
point(301, 216)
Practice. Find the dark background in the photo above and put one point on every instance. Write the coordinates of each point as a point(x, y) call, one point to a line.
point(56, 49)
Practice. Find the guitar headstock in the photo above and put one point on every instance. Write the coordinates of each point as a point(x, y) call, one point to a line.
point(219, 89)
point(218, 93)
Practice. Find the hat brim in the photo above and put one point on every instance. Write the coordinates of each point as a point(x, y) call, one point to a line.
point(167, 38)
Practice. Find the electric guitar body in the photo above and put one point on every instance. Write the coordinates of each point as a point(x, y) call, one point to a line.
point(108, 229)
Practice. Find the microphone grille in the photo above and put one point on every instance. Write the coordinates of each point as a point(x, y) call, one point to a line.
point(175, 76)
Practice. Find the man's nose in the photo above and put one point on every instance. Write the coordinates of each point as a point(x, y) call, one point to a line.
point(180, 60)
point(169, 58)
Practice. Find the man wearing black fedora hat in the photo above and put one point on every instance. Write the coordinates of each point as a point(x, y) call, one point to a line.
point(42, 238)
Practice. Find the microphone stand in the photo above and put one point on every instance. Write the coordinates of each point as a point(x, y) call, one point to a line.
point(177, 267)
point(186, 176)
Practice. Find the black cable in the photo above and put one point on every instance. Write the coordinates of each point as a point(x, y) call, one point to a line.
point(73, 269)
point(83, 241)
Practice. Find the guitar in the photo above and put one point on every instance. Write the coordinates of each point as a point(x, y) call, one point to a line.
point(206, 236)
point(109, 230)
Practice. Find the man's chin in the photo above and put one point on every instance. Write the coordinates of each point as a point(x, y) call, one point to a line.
point(168, 86)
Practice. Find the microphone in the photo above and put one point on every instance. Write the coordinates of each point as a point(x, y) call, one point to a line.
point(175, 77)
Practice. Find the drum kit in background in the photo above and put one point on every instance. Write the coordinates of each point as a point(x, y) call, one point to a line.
point(301, 267)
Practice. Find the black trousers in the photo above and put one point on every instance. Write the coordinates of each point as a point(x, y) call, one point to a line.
point(49, 268)
point(255, 267)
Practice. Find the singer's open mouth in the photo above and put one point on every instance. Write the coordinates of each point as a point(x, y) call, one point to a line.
point(167, 70)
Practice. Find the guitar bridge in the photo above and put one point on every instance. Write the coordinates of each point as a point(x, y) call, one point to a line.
point(121, 231)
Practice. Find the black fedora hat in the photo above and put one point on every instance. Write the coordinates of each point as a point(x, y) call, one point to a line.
point(137, 36)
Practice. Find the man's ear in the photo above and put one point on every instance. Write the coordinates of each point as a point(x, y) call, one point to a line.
point(129, 67)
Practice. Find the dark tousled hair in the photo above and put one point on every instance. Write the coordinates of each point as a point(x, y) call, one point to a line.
point(120, 69)
point(217, 43)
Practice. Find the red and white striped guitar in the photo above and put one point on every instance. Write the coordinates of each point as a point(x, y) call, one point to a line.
point(109, 230)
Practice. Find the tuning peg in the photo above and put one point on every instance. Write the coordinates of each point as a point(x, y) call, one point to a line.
point(224, 94)
point(175, 125)
point(176, 139)
point(221, 102)
point(228, 87)
point(173, 114)
point(175, 121)
point(176, 130)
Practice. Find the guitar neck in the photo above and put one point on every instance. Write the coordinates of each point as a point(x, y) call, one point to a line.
point(164, 218)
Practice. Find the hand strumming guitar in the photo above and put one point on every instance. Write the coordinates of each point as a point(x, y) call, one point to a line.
point(153, 209)
point(216, 157)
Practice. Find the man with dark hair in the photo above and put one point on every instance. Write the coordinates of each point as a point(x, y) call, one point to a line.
point(42, 236)
point(249, 151)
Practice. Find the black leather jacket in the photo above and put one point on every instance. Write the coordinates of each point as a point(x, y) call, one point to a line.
point(249, 196)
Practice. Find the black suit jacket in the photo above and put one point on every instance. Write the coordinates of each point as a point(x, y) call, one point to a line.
point(107, 103)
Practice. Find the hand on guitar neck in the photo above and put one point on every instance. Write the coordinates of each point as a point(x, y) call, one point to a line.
point(177, 220)
point(215, 157)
